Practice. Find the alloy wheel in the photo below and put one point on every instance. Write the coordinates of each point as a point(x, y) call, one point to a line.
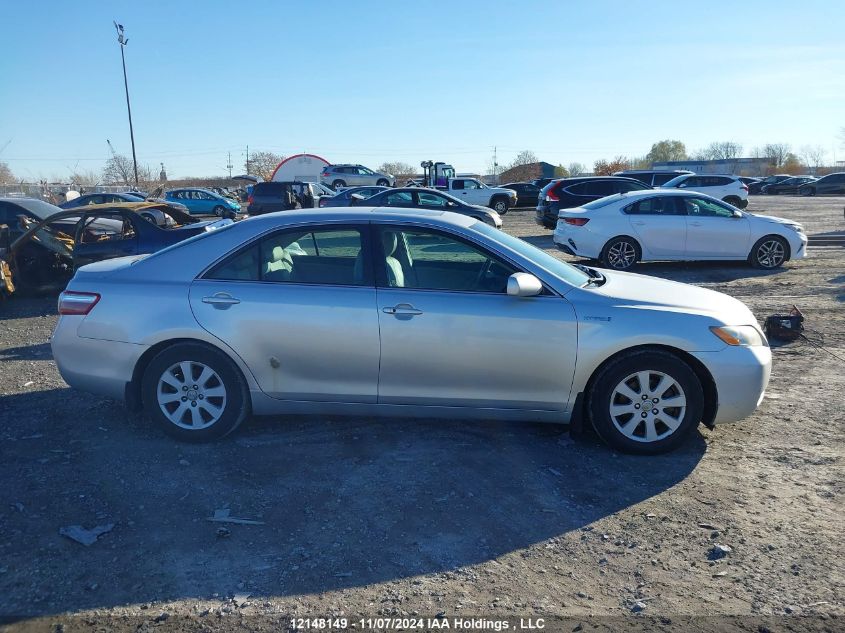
point(648, 406)
point(771, 253)
point(191, 395)
point(621, 255)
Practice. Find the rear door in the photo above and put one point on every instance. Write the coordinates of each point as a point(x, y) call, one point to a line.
point(714, 230)
point(660, 226)
point(299, 307)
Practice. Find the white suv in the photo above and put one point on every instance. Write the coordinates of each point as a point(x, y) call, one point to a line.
point(730, 189)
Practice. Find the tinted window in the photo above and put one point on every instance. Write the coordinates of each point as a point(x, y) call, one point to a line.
point(620, 186)
point(599, 187)
point(457, 184)
point(399, 199)
point(430, 260)
point(662, 179)
point(643, 178)
point(700, 207)
point(40, 209)
point(432, 200)
point(661, 205)
point(330, 256)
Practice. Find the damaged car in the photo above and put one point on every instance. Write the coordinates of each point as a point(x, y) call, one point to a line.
point(43, 253)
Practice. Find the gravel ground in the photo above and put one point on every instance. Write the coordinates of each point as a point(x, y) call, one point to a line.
point(388, 517)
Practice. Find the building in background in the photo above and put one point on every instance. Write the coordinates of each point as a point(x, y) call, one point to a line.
point(522, 173)
point(731, 166)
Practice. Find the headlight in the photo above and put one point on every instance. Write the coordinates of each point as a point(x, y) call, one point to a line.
point(740, 335)
point(796, 227)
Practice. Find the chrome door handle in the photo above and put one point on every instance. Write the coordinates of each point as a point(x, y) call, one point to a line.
point(221, 299)
point(402, 309)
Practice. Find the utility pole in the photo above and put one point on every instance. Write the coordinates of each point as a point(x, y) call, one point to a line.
point(229, 164)
point(123, 41)
point(495, 167)
point(247, 160)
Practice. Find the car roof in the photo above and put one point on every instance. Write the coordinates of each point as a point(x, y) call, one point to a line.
point(362, 214)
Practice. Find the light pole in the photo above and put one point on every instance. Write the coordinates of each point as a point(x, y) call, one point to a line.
point(123, 41)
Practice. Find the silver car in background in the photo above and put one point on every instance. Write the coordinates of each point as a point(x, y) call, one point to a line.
point(339, 176)
point(404, 312)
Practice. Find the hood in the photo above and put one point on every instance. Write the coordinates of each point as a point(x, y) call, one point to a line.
point(644, 292)
point(771, 218)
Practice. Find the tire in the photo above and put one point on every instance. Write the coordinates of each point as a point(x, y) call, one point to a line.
point(624, 423)
point(219, 210)
point(224, 389)
point(734, 201)
point(382, 183)
point(743, 204)
point(807, 191)
point(769, 252)
point(337, 184)
point(620, 253)
point(499, 205)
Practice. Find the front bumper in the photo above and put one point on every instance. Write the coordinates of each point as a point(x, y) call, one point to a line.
point(93, 365)
point(741, 375)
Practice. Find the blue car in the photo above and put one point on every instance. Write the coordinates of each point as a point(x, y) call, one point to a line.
point(203, 201)
point(101, 198)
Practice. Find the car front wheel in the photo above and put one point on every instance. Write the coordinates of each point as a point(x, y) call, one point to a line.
point(219, 210)
point(195, 393)
point(382, 183)
point(807, 191)
point(645, 403)
point(620, 253)
point(500, 206)
point(769, 252)
point(337, 184)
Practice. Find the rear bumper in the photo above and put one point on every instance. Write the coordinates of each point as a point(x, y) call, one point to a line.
point(546, 217)
point(93, 365)
point(741, 375)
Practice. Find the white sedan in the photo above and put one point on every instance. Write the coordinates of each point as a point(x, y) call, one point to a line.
point(626, 228)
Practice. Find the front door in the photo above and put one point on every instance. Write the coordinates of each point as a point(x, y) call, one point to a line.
point(452, 336)
point(102, 236)
point(299, 307)
point(715, 230)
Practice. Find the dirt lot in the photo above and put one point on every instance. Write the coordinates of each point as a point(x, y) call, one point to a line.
point(383, 517)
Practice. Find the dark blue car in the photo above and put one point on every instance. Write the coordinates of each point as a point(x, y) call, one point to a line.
point(101, 198)
point(341, 199)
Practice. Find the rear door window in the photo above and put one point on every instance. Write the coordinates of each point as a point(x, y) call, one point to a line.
point(660, 205)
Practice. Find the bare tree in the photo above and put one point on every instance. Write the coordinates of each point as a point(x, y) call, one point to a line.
point(667, 150)
point(813, 156)
point(6, 175)
point(120, 170)
point(775, 153)
point(722, 150)
point(401, 171)
point(87, 178)
point(576, 169)
point(262, 164)
point(525, 157)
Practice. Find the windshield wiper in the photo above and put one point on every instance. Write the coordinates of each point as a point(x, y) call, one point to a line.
point(596, 278)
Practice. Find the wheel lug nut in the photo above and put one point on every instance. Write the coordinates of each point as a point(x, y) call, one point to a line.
point(184, 399)
point(194, 403)
point(184, 387)
point(644, 414)
point(195, 387)
point(645, 397)
point(654, 411)
point(201, 397)
point(655, 400)
point(637, 406)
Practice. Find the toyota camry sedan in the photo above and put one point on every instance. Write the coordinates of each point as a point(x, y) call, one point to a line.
point(627, 228)
point(404, 312)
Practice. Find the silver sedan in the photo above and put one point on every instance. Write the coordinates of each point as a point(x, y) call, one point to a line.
point(402, 312)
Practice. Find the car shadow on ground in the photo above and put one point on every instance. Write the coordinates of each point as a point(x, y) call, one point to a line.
point(341, 502)
point(40, 351)
point(26, 305)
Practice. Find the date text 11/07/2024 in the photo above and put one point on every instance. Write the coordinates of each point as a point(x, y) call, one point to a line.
point(424, 624)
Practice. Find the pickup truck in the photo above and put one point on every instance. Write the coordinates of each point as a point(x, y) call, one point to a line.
point(474, 191)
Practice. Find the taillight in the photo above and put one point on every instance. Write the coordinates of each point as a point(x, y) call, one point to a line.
point(744, 186)
point(576, 221)
point(551, 196)
point(77, 303)
point(249, 199)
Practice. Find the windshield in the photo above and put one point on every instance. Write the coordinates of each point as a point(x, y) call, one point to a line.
point(564, 271)
point(676, 181)
point(40, 209)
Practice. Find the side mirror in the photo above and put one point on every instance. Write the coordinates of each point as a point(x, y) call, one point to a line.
point(524, 285)
point(737, 214)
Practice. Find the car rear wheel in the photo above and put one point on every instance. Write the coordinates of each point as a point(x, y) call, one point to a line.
point(807, 191)
point(219, 210)
point(337, 184)
point(195, 393)
point(733, 201)
point(382, 183)
point(620, 253)
point(769, 252)
point(645, 403)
